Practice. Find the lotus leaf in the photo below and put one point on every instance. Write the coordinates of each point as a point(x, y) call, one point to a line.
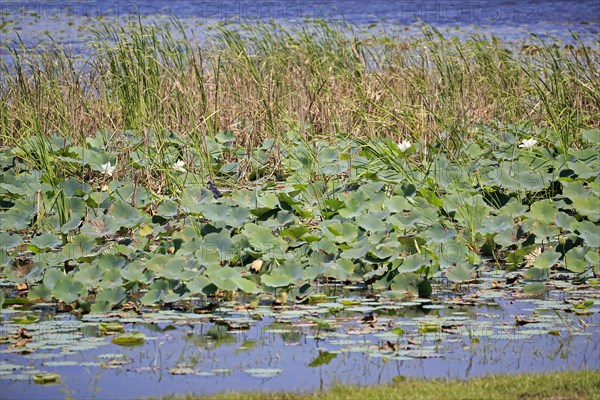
point(130, 339)
point(575, 259)
point(461, 273)
point(589, 232)
point(68, 290)
point(323, 358)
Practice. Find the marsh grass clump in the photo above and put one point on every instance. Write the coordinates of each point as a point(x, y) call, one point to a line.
point(261, 81)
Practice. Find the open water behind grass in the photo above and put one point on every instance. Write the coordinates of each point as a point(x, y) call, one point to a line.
point(68, 22)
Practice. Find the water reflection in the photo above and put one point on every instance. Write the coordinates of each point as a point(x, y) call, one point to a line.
point(290, 352)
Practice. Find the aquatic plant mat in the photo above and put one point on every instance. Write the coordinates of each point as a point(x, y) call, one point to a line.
point(149, 246)
point(567, 385)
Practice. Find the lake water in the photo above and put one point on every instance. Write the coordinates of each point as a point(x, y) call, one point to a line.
point(455, 335)
point(66, 21)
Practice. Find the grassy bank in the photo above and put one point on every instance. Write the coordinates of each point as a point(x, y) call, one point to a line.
point(563, 385)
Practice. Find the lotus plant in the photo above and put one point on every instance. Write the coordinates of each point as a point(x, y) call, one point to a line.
point(108, 168)
point(404, 145)
point(528, 143)
point(179, 166)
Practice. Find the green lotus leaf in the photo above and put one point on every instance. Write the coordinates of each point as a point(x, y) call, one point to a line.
point(68, 290)
point(172, 269)
point(575, 259)
point(431, 197)
point(593, 257)
point(544, 211)
point(352, 209)
point(72, 187)
point(81, 246)
point(408, 281)
point(415, 262)
point(15, 219)
point(377, 272)
point(262, 239)
point(277, 279)
point(268, 200)
point(222, 277)
point(323, 358)
point(589, 232)
point(111, 278)
point(9, 241)
point(279, 219)
point(167, 208)
point(52, 276)
point(45, 379)
point(124, 215)
point(387, 250)
point(370, 223)
point(112, 296)
point(101, 307)
point(584, 170)
point(40, 291)
point(462, 272)
point(397, 204)
point(543, 230)
point(564, 221)
point(246, 285)
point(130, 339)
point(295, 232)
point(89, 275)
point(219, 243)
point(193, 199)
point(591, 135)
point(344, 232)
point(100, 226)
point(109, 260)
point(27, 319)
point(339, 269)
point(135, 272)
point(131, 194)
point(199, 285)
point(46, 240)
point(513, 208)
point(357, 250)
point(547, 259)
point(321, 323)
point(534, 288)
point(588, 206)
point(536, 274)
point(157, 291)
point(436, 233)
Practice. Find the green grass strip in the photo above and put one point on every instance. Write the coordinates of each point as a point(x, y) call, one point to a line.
point(558, 385)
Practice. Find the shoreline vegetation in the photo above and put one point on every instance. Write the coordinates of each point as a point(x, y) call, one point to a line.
point(559, 385)
point(322, 80)
point(274, 169)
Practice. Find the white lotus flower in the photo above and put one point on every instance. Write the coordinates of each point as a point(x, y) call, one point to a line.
point(108, 169)
point(404, 145)
point(528, 143)
point(179, 166)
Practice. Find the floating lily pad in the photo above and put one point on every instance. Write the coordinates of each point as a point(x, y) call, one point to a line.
point(44, 379)
point(130, 339)
point(263, 372)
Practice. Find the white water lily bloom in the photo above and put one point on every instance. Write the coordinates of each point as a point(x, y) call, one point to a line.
point(108, 169)
point(528, 143)
point(404, 145)
point(179, 166)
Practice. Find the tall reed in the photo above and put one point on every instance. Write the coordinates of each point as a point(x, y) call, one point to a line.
point(321, 79)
